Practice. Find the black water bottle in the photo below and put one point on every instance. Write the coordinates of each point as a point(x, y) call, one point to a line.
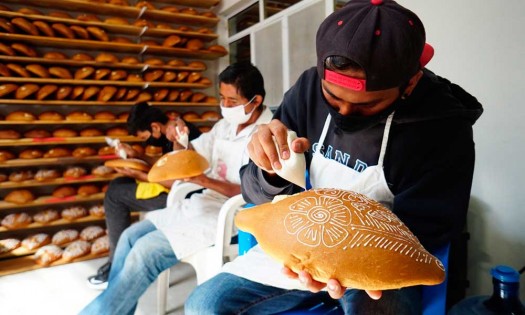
point(504, 300)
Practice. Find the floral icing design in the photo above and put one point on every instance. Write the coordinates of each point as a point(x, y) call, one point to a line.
point(317, 220)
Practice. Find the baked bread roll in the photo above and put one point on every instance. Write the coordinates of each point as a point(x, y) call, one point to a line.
point(190, 11)
point(26, 26)
point(74, 172)
point(48, 254)
point(143, 97)
point(198, 97)
point(98, 33)
point(88, 190)
point(55, 55)
point(30, 154)
point(117, 75)
point(86, 17)
point(153, 75)
point(105, 115)
point(65, 133)
point(102, 73)
point(197, 65)
point(123, 116)
point(46, 174)
point(154, 61)
point(218, 48)
point(102, 171)
point(182, 76)
point(185, 95)
point(60, 72)
point(79, 116)
point(343, 235)
point(36, 241)
point(178, 165)
point(62, 30)
point(37, 133)
point(97, 211)
point(90, 92)
point(153, 151)
point(91, 233)
point(51, 116)
point(20, 116)
point(75, 250)
point(100, 245)
point(6, 155)
point(82, 57)
point(59, 14)
point(169, 76)
point(57, 152)
point(106, 58)
point(122, 40)
point(160, 95)
point(134, 77)
point(130, 60)
point(91, 132)
point(116, 20)
point(20, 176)
point(63, 237)
point(3, 177)
point(29, 11)
point(73, 213)
point(79, 32)
point(81, 152)
point(194, 77)
point(135, 164)
point(6, 26)
point(4, 71)
point(44, 28)
point(9, 244)
point(176, 63)
point(19, 197)
point(46, 216)
point(204, 129)
point(9, 134)
point(64, 192)
point(195, 44)
point(106, 93)
point(106, 150)
point(18, 70)
point(189, 116)
point(164, 26)
point(24, 50)
point(6, 89)
point(63, 92)
point(117, 131)
point(46, 91)
point(6, 50)
point(25, 91)
point(77, 92)
point(84, 73)
point(172, 41)
point(120, 94)
point(16, 220)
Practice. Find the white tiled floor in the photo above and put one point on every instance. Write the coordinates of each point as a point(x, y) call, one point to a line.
point(62, 290)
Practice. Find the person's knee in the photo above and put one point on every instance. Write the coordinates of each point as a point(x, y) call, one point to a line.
point(207, 297)
point(114, 188)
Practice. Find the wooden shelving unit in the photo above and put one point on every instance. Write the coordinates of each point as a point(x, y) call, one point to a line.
point(139, 45)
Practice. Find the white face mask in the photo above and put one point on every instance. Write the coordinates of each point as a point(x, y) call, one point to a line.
point(235, 115)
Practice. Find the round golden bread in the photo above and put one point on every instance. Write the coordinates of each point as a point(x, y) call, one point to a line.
point(79, 116)
point(10, 134)
point(105, 115)
point(57, 152)
point(47, 254)
point(210, 115)
point(84, 152)
point(51, 115)
point(26, 90)
point(37, 133)
point(24, 49)
point(19, 197)
point(38, 70)
point(65, 133)
point(20, 116)
point(6, 155)
point(82, 57)
point(84, 73)
point(91, 132)
point(60, 72)
point(63, 30)
point(88, 190)
point(106, 93)
point(55, 55)
point(106, 57)
point(64, 192)
point(20, 176)
point(117, 131)
point(153, 151)
point(343, 235)
point(98, 33)
point(178, 165)
point(63, 92)
point(135, 164)
point(6, 89)
point(44, 28)
point(195, 44)
point(6, 50)
point(30, 154)
point(26, 26)
point(46, 91)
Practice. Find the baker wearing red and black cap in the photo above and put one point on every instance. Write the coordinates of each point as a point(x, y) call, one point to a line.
point(372, 119)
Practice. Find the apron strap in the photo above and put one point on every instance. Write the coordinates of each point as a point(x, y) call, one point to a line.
point(386, 133)
point(323, 133)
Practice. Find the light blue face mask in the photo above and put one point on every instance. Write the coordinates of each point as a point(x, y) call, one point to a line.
point(236, 115)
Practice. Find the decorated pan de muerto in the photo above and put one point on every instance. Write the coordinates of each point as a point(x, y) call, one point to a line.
point(343, 235)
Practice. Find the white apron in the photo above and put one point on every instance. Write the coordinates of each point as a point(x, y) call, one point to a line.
point(191, 224)
point(324, 173)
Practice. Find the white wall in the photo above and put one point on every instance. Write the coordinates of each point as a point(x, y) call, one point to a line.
point(481, 46)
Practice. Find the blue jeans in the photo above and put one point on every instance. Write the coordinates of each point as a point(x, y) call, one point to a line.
point(142, 253)
point(230, 294)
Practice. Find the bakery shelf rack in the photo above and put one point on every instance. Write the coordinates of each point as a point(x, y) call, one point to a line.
point(57, 181)
point(122, 11)
point(130, 30)
point(192, 3)
point(57, 42)
point(95, 103)
point(57, 223)
point(50, 201)
point(54, 141)
point(54, 161)
point(74, 63)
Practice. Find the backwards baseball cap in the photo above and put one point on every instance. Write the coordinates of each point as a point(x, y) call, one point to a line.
point(384, 38)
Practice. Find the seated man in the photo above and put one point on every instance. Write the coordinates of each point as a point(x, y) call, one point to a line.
point(149, 247)
point(369, 118)
point(133, 192)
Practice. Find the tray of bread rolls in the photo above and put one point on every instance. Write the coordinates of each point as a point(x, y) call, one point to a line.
point(37, 201)
point(114, 25)
point(142, 9)
point(193, 3)
point(211, 52)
